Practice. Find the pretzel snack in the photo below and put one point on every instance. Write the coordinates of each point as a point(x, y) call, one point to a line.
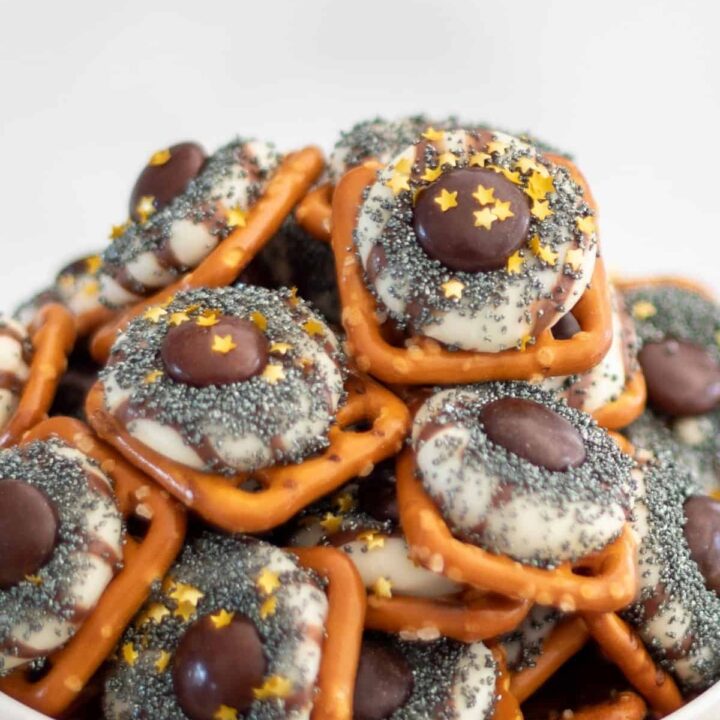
point(341, 649)
point(222, 266)
point(627, 408)
point(53, 337)
point(144, 562)
point(426, 361)
point(506, 706)
point(608, 581)
point(566, 640)
point(624, 706)
point(285, 489)
point(622, 646)
point(314, 212)
point(472, 617)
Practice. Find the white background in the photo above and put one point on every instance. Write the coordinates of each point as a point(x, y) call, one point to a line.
point(89, 89)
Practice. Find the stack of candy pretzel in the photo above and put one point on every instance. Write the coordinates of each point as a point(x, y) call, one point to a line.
point(370, 437)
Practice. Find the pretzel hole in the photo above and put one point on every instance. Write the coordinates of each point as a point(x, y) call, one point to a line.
point(136, 527)
point(362, 426)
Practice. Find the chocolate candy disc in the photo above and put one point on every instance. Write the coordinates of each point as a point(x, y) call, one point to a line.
point(534, 432)
point(232, 350)
point(166, 177)
point(377, 495)
point(28, 531)
point(566, 327)
point(218, 664)
point(702, 532)
point(384, 681)
point(682, 378)
point(487, 225)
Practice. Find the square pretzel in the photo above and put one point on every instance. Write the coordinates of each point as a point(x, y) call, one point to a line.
point(53, 337)
point(427, 362)
point(284, 490)
point(144, 562)
point(602, 582)
point(221, 267)
point(344, 631)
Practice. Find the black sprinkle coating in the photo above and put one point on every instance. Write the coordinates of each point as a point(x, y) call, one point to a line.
point(251, 407)
point(225, 569)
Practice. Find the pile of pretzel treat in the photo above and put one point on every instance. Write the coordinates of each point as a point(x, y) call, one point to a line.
point(371, 437)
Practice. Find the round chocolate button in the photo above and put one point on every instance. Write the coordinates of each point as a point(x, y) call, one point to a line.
point(232, 350)
point(377, 495)
point(702, 532)
point(28, 531)
point(471, 219)
point(566, 327)
point(682, 378)
point(216, 666)
point(164, 178)
point(384, 681)
point(534, 432)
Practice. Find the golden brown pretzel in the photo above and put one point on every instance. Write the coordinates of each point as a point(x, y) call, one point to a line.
point(341, 649)
point(314, 212)
point(620, 644)
point(222, 266)
point(53, 337)
point(506, 706)
point(471, 617)
point(285, 489)
point(627, 408)
point(608, 580)
point(144, 562)
point(426, 361)
point(624, 706)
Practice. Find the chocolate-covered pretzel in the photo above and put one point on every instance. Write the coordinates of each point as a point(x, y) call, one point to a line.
point(517, 472)
point(236, 630)
point(16, 353)
point(61, 537)
point(475, 239)
point(228, 380)
point(183, 205)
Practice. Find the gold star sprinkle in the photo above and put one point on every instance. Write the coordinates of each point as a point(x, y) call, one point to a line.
point(91, 289)
point(275, 686)
point(163, 661)
point(497, 146)
point(515, 263)
point(118, 230)
point(539, 186)
point(446, 200)
point(447, 158)
point(479, 159)
point(544, 252)
point(432, 134)
point(273, 374)
point(513, 177)
point(484, 218)
point(268, 607)
point(502, 210)
point(345, 502)
point(313, 327)
point(159, 158)
point(586, 224)
point(281, 348)
point(224, 712)
point(541, 209)
point(182, 592)
point(293, 300)
point(432, 174)
point(155, 613)
point(642, 310)
point(372, 540)
point(267, 581)
point(404, 166)
point(223, 344)
point(398, 182)
point(154, 313)
point(221, 619)
point(207, 319)
point(574, 258)
point(236, 217)
point(382, 588)
point(259, 320)
point(524, 342)
point(92, 264)
point(152, 376)
point(178, 318)
point(184, 611)
point(484, 196)
point(145, 207)
point(453, 289)
point(526, 164)
point(331, 523)
point(34, 579)
point(130, 654)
